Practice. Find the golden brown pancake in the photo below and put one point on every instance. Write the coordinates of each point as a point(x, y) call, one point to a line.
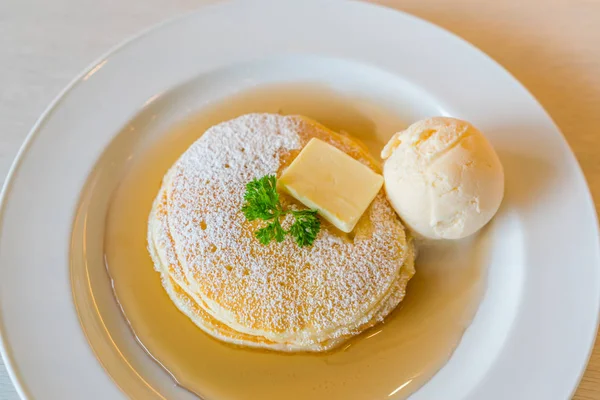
point(280, 296)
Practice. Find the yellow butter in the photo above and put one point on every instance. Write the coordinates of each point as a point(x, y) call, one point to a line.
point(330, 181)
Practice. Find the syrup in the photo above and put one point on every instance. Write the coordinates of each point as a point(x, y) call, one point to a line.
point(391, 360)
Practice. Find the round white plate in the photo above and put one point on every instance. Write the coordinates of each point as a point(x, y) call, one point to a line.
point(534, 330)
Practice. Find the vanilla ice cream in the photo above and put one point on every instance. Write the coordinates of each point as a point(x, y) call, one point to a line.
point(443, 178)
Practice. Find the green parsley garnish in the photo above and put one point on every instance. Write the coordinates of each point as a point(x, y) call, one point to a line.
point(262, 202)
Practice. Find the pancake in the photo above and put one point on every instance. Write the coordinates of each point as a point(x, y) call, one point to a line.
point(280, 296)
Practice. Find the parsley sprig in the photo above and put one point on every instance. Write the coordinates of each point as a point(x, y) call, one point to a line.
point(262, 202)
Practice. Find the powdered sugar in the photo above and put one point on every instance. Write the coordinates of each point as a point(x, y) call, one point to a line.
point(280, 291)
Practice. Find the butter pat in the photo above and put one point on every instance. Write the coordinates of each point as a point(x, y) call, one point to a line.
point(330, 181)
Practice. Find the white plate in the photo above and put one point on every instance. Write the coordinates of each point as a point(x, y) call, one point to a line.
point(535, 327)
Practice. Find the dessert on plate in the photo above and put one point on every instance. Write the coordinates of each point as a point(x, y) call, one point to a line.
point(279, 278)
point(443, 178)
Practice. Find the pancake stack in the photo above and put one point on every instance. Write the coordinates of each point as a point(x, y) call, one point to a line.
point(278, 296)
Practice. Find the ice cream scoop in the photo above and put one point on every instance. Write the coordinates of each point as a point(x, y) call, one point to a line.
point(443, 178)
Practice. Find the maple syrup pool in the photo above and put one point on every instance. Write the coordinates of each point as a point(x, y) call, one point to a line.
point(391, 360)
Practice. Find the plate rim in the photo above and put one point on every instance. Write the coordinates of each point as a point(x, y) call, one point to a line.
point(5, 352)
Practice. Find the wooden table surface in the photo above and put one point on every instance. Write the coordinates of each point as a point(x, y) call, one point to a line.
point(551, 46)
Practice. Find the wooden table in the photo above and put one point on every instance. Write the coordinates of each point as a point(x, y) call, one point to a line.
point(552, 46)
